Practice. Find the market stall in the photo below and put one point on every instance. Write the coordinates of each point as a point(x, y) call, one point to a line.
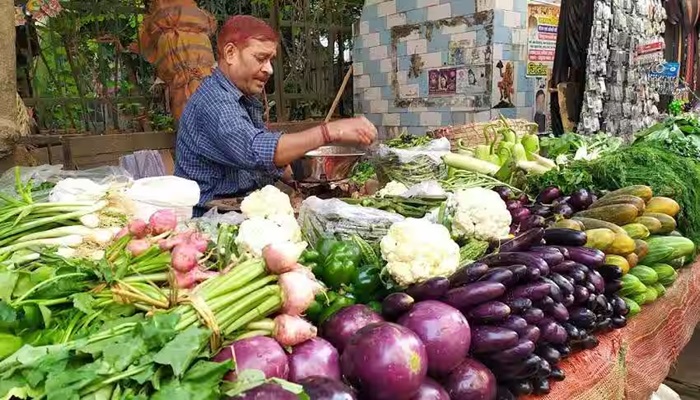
point(512, 267)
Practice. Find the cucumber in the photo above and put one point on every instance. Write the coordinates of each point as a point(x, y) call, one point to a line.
point(663, 205)
point(660, 289)
point(637, 231)
point(600, 238)
point(653, 225)
point(631, 285)
point(651, 295)
point(646, 275)
point(666, 274)
point(666, 248)
point(622, 245)
point(619, 214)
point(668, 224)
point(591, 223)
point(621, 199)
point(633, 306)
point(642, 191)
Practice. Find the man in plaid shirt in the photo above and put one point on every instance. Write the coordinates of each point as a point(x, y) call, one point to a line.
point(222, 141)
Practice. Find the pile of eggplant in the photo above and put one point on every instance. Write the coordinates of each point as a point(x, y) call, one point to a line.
point(542, 296)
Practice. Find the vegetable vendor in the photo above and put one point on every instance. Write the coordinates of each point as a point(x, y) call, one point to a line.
point(223, 143)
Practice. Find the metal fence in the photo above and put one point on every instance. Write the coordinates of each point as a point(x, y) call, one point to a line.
point(76, 71)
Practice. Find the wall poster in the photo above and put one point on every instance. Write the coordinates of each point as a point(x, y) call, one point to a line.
point(542, 23)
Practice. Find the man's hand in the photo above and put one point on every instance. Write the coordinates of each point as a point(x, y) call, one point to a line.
point(353, 131)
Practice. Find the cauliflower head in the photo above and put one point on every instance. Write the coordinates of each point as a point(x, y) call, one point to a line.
point(416, 250)
point(266, 202)
point(392, 188)
point(256, 233)
point(480, 213)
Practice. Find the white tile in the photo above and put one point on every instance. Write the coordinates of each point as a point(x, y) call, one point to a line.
point(378, 52)
point(386, 65)
point(520, 36)
point(450, 30)
point(361, 81)
point(483, 5)
point(395, 20)
point(371, 40)
point(432, 60)
point(419, 46)
point(401, 77)
point(429, 118)
point(439, 12)
point(525, 113)
point(468, 37)
point(504, 4)
point(378, 106)
point(386, 8)
point(391, 119)
point(419, 109)
point(408, 91)
point(520, 99)
point(373, 93)
point(497, 52)
point(482, 116)
point(512, 19)
point(426, 3)
point(414, 35)
point(370, 2)
point(358, 68)
point(364, 27)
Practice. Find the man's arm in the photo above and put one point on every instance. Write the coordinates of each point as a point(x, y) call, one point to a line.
point(293, 146)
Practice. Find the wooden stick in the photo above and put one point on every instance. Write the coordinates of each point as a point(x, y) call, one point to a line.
point(339, 94)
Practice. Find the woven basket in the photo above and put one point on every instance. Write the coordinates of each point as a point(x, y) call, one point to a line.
point(471, 135)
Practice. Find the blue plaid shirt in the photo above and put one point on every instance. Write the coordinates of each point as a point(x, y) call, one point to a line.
point(222, 142)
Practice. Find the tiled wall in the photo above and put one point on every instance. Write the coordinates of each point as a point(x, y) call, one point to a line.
point(401, 44)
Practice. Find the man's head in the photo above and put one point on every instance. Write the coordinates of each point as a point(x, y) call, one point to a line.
point(247, 46)
point(539, 101)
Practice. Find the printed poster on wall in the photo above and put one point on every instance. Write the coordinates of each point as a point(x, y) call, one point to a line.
point(542, 22)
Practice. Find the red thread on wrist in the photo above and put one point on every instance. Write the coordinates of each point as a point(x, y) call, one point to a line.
point(325, 133)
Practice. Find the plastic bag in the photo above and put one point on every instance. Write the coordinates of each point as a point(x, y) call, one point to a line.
point(411, 166)
point(164, 192)
point(425, 189)
point(210, 221)
point(44, 177)
point(318, 217)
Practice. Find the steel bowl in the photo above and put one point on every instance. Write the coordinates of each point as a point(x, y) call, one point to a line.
point(327, 164)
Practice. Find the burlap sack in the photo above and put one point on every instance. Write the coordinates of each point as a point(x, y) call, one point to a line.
point(632, 362)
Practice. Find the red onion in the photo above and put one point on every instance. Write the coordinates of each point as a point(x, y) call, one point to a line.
point(163, 221)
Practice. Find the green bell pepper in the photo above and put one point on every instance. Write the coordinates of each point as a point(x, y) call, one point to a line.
point(313, 313)
point(340, 302)
point(375, 306)
point(340, 264)
point(366, 284)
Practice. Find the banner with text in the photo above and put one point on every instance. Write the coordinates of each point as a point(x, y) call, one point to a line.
point(542, 22)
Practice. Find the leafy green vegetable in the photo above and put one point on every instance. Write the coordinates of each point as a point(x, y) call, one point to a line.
point(573, 145)
point(362, 172)
point(645, 163)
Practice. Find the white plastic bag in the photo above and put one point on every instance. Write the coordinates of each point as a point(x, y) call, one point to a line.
point(72, 190)
point(164, 192)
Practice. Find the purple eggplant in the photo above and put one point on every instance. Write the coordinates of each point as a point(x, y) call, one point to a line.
point(558, 311)
point(564, 285)
point(521, 388)
point(523, 199)
point(541, 210)
point(520, 215)
point(510, 258)
point(619, 321)
point(553, 333)
point(597, 280)
point(396, 304)
point(533, 315)
point(554, 291)
point(540, 386)
point(568, 300)
point(581, 199)
point(619, 305)
point(544, 370)
point(504, 192)
point(573, 332)
point(468, 274)
point(563, 210)
point(564, 266)
point(533, 221)
point(557, 374)
point(520, 351)
point(581, 294)
point(548, 353)
point(548, 195)
point(544, 302)
point(324, 388)
point(533, 274)
point(518, 305)
point(474, 293)
point(519, 272)
point(521, 370)
point(610, 272)
point(493, 311)
point(531, 333)
point(578, 275)
point(489, 339)
point(551, 256)
point(498, 274)
point(593, 258)
point(432, 289)
point(532, 291)
point(582, 317)
point(565, 237)
point(524, 241)
point(515, 323)
point(503, 393)
point(513, 205)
